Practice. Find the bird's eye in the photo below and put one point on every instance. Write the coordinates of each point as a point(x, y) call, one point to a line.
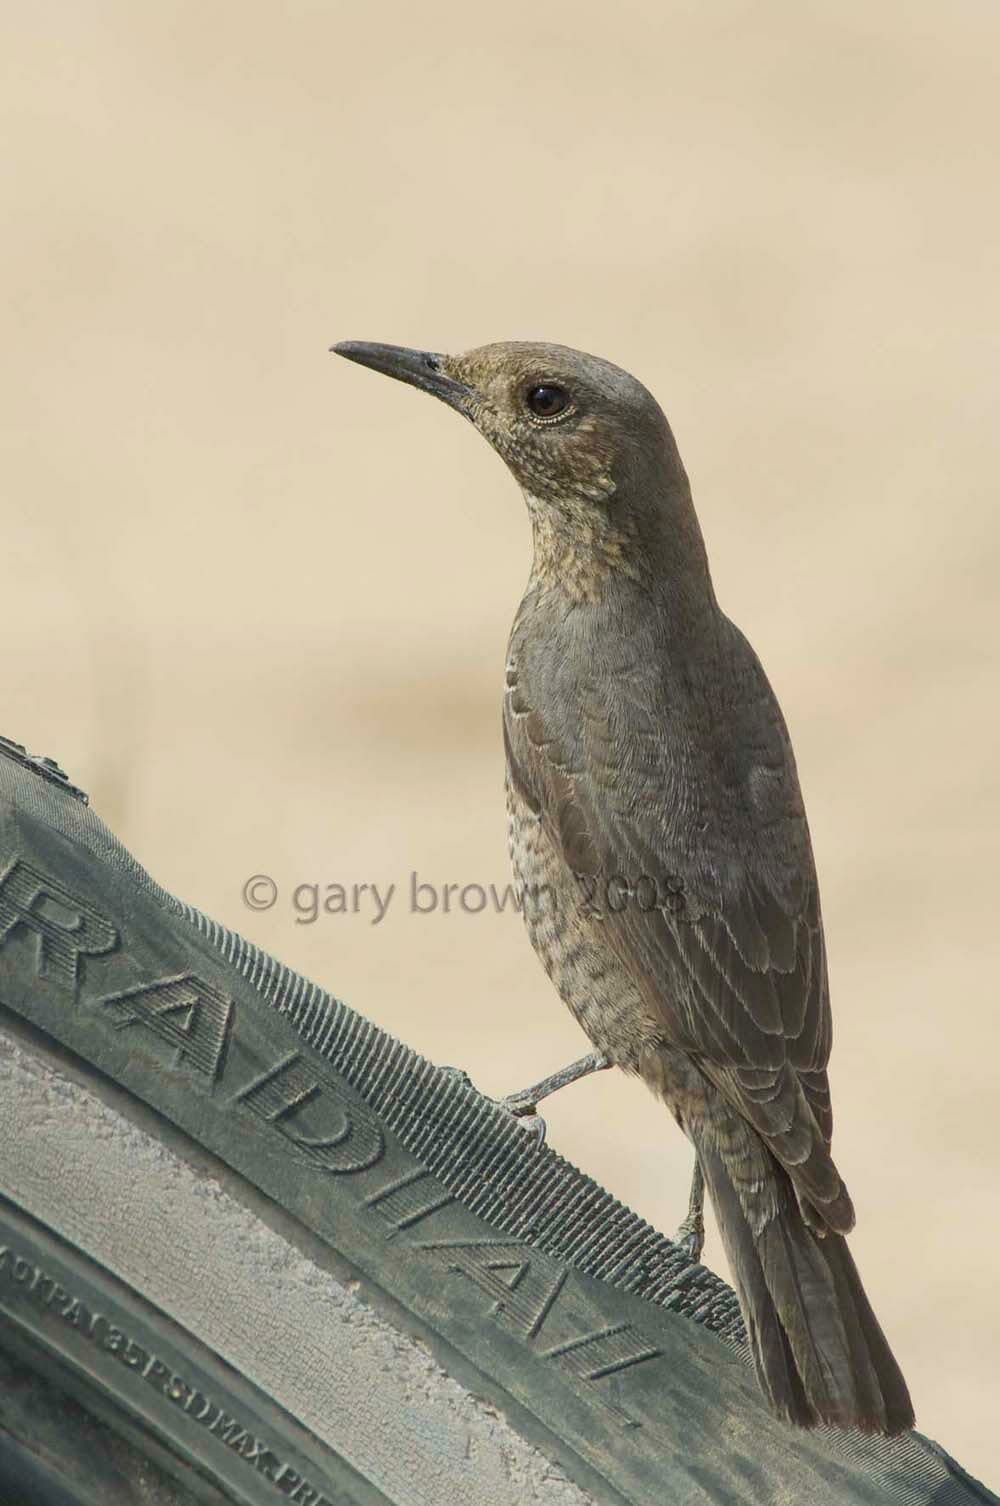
point(547, 400)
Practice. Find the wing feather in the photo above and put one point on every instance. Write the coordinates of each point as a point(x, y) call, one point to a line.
point(727, 948)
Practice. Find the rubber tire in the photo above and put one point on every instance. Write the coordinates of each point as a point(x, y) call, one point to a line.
point(254, 1250)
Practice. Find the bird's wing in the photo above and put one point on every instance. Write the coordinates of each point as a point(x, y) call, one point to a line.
point(726, 948)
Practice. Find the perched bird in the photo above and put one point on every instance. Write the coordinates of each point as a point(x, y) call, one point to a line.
point(659, 840)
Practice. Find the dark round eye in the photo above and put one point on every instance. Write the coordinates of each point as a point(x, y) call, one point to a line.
point(547, 400)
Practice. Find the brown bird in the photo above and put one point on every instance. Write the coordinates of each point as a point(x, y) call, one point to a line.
point(661, 848)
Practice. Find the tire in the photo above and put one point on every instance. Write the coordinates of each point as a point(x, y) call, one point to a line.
point(253, 1250)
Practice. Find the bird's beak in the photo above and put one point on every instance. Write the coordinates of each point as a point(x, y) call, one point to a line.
point(421, 368)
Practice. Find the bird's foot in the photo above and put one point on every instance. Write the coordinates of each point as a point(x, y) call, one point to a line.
point(523, 1106)
point(519, 1105)
point(691, 1236)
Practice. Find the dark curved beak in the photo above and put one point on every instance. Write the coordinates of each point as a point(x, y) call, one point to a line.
point(421, 368)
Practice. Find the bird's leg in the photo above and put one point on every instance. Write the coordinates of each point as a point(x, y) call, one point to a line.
point(524, 1105)
point(691, 1234)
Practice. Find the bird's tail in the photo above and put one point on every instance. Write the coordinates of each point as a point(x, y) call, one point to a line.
point(818, 1349)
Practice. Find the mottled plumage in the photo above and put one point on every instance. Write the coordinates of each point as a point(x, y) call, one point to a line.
point(659, 840)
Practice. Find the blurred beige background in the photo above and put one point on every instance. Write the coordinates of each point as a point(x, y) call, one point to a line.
point(256, 600)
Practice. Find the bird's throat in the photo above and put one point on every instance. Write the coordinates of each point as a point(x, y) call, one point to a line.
point(579, 552)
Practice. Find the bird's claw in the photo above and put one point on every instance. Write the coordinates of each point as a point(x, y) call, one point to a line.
point(519, 1104)
point(691, 1237)
point(520, 1107)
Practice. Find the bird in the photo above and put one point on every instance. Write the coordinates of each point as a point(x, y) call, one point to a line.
point(660, 844)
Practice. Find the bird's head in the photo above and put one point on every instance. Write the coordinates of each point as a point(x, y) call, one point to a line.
point(588, 444)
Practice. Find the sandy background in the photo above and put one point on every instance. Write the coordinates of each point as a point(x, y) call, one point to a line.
point(256, 600)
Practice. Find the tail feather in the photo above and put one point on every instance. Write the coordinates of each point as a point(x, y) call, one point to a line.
point(819, 1352)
